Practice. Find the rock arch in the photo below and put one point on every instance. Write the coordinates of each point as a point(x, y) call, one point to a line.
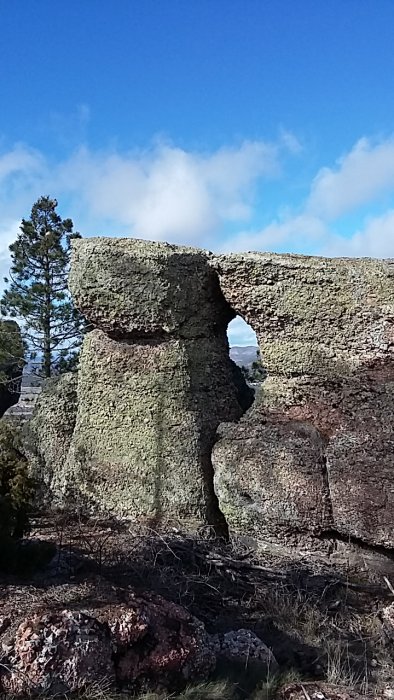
point(310, 461)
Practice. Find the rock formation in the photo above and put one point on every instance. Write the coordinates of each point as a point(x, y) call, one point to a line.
point(310, 463)
point(155, 380)
point(315, 455)
point(47, 436)
point(147, 643)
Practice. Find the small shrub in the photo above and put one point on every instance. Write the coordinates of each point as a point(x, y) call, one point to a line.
point(15, 487)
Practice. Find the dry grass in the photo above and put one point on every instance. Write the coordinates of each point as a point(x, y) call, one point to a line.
point(213, 690)
point(320, 623)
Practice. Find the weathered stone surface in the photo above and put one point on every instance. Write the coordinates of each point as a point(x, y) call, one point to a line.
point(146, 422)
point(320, 316)
point(270, 478)
point(47, 436)
point(244, 650)
point(326, 334)
point(311, 461)
point(131, 288)
point(155, 380)
point(147, 643)
point(60, 652)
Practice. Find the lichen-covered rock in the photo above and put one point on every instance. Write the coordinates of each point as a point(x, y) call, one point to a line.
point(148, 643)
point(47, 436)
point(155, 380)
point(131, 288)
point(146, 422)
point(58, 652)
point(317, 448)
point(325, 317)
point(244, 649)
point(270, 478)
point(310, 463)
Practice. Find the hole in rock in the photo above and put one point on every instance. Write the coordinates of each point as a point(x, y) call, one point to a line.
point(244, 351)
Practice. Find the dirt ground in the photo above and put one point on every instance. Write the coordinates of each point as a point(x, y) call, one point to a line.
point(321, 622)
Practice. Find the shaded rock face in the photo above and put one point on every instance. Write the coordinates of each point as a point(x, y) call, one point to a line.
point(155, 380)
point(47, 436)
point(11, 364)
point(315, 454)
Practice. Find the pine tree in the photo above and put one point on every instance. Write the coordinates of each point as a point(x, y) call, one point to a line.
point(37, 292)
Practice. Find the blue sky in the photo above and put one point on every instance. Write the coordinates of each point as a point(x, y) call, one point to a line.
point(227, 124)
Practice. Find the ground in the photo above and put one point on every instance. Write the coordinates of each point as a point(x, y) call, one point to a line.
point(322, 624)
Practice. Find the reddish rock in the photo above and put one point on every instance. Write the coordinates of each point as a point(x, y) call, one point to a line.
point(325, 329)
point(61, 652)
point(177, 646)
point(149, 643)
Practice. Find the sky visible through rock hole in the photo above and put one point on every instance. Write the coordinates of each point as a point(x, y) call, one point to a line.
point(230, 125)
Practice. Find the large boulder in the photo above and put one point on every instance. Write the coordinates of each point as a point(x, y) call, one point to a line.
point(47, 436)
point(147, 642)
point(155, 380)
point(314, 456)
point(139, 289)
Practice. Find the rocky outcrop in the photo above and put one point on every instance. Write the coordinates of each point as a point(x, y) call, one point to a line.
point(314, 457)
point(47, 436)
point(146, 643)
point(160, 431)
point(11, 364)
point(155, 380)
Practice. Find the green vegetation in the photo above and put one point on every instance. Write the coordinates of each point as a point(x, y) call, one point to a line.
point(15, 488)
point(256, 372)
point(37, 289)
point(12, 351)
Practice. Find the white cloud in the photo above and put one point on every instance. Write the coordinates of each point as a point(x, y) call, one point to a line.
point(240, 333)
point(295, 230)
point(290, 141)
point(163, 192)
point(375, 240)
point(168, 192)
point(19, 160)
point(8, 234)
point(361, 176)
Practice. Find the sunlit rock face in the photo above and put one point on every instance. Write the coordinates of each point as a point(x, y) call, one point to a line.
point(315, 455)
point(163, 428)
point(155, 379)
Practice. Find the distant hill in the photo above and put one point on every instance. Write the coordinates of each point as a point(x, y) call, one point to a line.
point(243, 355)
